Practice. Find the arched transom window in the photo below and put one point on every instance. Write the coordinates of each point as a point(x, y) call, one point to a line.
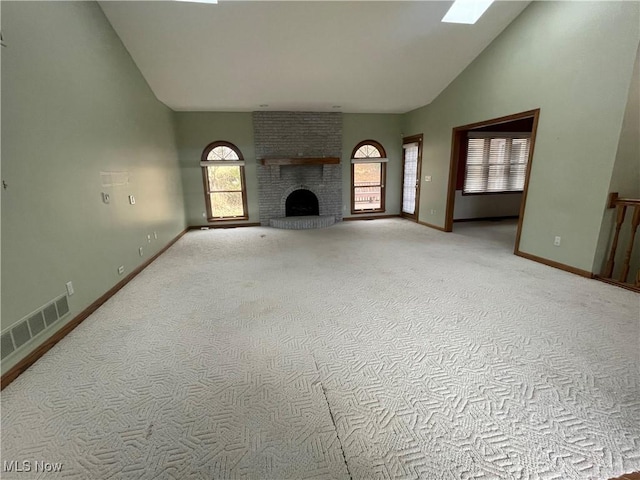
point(224, 184)
point(368, 150)
point(368, 172)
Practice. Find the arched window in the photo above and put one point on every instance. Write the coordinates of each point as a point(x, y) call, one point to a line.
point(368, 172)
point(224, 184)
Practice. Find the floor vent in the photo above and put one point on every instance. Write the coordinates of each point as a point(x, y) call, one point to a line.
point(33, 324)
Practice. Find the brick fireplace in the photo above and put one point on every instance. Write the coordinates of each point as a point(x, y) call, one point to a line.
point(297, 137)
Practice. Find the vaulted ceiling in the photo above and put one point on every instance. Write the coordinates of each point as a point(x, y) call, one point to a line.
point(357, 56)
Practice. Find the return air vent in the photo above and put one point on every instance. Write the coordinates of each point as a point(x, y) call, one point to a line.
point(33, 324)
point(36, 324)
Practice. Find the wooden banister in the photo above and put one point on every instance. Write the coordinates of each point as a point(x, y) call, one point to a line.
point(615, 200)
point(621, 205)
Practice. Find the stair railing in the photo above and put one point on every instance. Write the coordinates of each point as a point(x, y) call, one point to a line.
point(622, 205)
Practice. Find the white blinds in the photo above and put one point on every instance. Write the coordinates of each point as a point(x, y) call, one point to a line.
point(496, 162)
point(410, 178)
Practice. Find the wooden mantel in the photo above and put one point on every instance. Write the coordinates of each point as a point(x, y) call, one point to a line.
point(300, 161)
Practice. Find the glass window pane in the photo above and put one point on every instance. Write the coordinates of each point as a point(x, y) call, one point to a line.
point(224, 178)
point(227, 204)
point(367, 174)
point(497, 179)
point(410, 179)
point(367, 198)
point(497, 150)
point(475, 151)
point(222, 153)
point(476, 179)
point(367, 151)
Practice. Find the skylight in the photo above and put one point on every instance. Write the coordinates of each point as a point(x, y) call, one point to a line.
point(466, 11)
point(198, 1)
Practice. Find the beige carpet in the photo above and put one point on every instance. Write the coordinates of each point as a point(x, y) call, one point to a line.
point(378, 349)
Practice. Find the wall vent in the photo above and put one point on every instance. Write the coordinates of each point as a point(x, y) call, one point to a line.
point(33, 325)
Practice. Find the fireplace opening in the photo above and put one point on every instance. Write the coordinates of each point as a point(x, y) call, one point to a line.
point(302, 202)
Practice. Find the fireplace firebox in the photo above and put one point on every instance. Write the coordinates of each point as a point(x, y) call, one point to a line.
point(302, 202)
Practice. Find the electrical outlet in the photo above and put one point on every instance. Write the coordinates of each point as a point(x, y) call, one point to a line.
point(70, 290)
point(155, 235)
point(204, 214)
point(427, 178)
point(148, 238)
point(120, 269)
point(132, 200)
point(433, 211)
point(140, 251)
point(556, 241)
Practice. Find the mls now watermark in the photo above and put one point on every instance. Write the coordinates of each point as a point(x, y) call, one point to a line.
point(24, 466)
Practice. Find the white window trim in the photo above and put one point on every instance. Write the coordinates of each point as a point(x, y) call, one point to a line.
point(222, 163)
point(370, 160)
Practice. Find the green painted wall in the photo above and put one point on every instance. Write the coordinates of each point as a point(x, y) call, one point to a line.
point(386, 129)
point(196, 130)
point(574, 61)
point(74, 105)
point(625, 180)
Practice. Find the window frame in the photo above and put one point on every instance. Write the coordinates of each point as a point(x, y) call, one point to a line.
point(489, 136)
point(205, 182)
point(383, 176)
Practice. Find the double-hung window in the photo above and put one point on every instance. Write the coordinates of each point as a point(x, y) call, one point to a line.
point(496, 162)
point(224, 184)
point(368, 172)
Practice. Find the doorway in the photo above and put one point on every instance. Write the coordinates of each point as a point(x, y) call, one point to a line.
point(489, 173)
point(411, 165)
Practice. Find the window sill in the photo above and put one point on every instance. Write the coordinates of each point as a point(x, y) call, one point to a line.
point(360, 212)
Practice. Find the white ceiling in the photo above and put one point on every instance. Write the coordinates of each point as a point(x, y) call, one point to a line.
point(384, 57)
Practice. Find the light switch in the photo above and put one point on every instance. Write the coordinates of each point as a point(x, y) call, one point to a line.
point(427, 178)
point(105, 197)
point(132, 200)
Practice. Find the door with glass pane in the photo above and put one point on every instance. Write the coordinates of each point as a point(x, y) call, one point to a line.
point(411, 160)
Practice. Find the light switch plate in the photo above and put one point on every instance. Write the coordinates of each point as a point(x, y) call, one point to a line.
point(106, 198)
point(132, 200)
point(427, 178)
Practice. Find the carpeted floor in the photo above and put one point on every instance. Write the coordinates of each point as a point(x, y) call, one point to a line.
point(379, 349)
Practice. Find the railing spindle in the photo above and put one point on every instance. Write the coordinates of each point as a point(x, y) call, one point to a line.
point(608, 269)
